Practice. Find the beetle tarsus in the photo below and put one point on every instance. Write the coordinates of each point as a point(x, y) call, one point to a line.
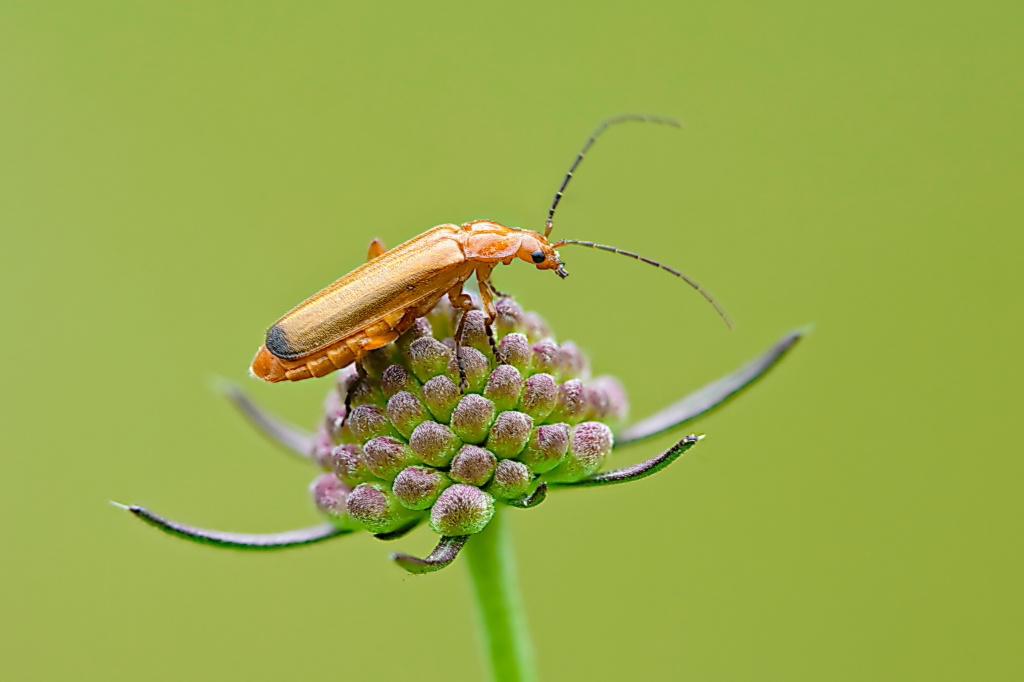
point(463, 379)
point(498, 358)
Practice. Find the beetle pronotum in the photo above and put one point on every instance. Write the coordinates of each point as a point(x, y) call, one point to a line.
point(372, 305)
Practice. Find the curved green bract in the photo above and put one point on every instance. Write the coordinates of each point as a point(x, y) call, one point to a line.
point(445, 552)
point(715, 394)
point(531, 500)
point(219, 538)
point(291, 438)
point(641, 470)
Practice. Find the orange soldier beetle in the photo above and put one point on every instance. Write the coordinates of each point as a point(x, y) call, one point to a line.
point(372, 305)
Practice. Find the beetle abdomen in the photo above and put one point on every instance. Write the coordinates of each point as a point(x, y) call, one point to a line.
point(267, 366)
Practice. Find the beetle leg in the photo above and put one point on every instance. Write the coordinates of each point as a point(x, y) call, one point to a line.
point(494, 344)
point(486, 280)
point(376, 248)
point(464, 303)
point(463, 379)
point(353, 385)
point(487, 293)
point(499, 294)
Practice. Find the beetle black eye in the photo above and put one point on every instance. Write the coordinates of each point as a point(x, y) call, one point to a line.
point(537, 256)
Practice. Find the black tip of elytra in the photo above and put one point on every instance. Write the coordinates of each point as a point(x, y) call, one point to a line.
point(278, 344)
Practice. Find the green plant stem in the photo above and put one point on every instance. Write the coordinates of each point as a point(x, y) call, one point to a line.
point(492, 568)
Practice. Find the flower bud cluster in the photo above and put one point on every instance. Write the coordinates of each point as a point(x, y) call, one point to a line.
point(411, 445)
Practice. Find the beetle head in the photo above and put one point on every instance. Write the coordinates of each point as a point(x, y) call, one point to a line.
point(535, 249)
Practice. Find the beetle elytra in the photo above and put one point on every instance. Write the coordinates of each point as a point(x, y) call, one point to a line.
point(372, 305)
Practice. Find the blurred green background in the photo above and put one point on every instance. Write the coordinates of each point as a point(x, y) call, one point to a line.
point(175, 176)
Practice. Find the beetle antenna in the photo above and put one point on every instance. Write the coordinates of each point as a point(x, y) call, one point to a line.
point(586, 147)
point(703, 292)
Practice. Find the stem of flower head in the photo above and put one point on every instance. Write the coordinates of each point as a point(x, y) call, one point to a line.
point(490, 557)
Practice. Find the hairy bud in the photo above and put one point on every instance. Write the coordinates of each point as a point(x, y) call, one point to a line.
point(435, 444)
point(475, 365)
point(428, 358)
point(547, 448)
point(369, 421)
point(589, 444)
point(516, 351)
point(510, 433)
point(386, 457)
point(397, 378)
point(504, 387)
point(406, 412)
point(348, 464)
point(377, 509)
point(419, 487)
point(472, 418)
point(461, 510)
point(473, 465)
point(330, 495)
point(539, 397)
point(441, 395)
point(511, 480)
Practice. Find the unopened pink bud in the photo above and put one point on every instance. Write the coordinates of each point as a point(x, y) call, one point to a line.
point(510, 433)
point(420, 329)
point(511, 480)
point(406, 412)
point(547, 448)
point(428, 358)
point(539, 397)
point(441, 395)
point(461, 510)
point(510, 317)
point(386, 457)
point(418, 487)
point(545, 357)
point(572, 403)
point(330, 495)
point(434, 443)
point(473, 465)
point(537, 327)
point(504, 387)
point(475, 365)
point(589, 444)
point(572, 362)
point(474, 332)
point(607, 399)
point(516, 351)
point(369, 421)
point(472, 418)
point(377, 509)
point(348, 464)
point(397, 378)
